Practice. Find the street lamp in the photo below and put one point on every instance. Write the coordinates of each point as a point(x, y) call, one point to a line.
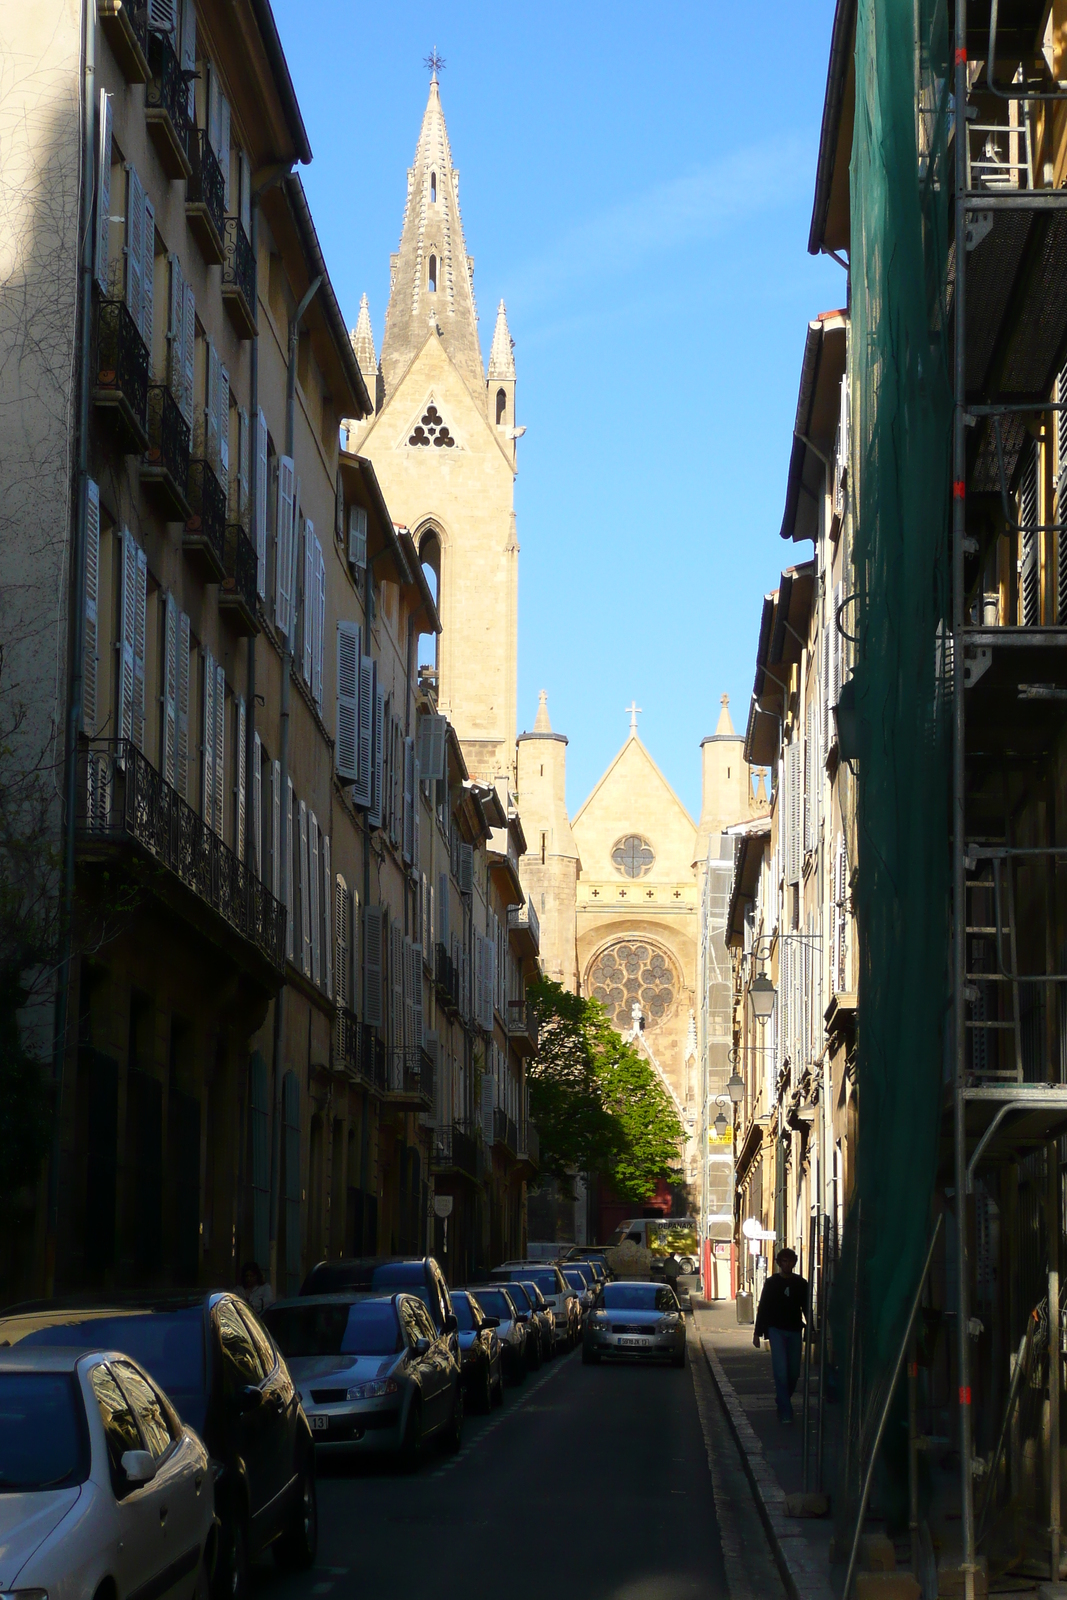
point(721, 1126)
point(762, 993)
point(735, 1087)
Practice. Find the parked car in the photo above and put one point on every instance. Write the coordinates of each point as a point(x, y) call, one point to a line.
point(546, 1317)
point(223, 1374)
point(512, 1328)
point(539, 1339)
point(635, 1319)
point(375, 1374)
point(481, 1361)
point(556, 1290)
point(581, 1287)
point(384, 1275)
point(592, 1255)
point(103, 1489)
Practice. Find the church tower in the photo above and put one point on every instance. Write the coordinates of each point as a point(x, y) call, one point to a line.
point(550, 867)
point(443, 447)
point(726, 783)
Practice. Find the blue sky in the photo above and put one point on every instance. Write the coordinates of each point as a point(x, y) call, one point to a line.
point(637, 186)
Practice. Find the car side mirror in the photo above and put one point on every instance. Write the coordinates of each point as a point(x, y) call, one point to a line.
point(420, 1347)
point(138, 1466)
point(248, 1398)
point(522, 1316)
point(492, 1322)
point(451, 1323)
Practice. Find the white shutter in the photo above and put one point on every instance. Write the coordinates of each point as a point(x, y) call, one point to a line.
point(418, 1024)
point(148, 275)
point(364, 789)
point(207, 742)
point(134, 246)
point(103, 189)
point(243, 464)
point(257, 808)
point(224, 146)
point(276, 829)
point(90, 659)
point(189, 354)
point(181, 773)
point(127, 602)
point(837, 654)
point(259, 532)
point(220, 748)
point(307, 603)
point(372, 966)
point(223, 429)
point(407, 1028)
point(161, 18)
point(357, 536)
point(409, 801)
point(341, 911)
point(214, 96)
point(466, 868)
point(314, 907)
point(211, 406)
point(302, 890)
point(140, 627)
point(397, 985)
point(416, 803)
point(319, 625)
point(374, 814)
point(346, 748)
point(442, 910)
point(433, 732)
point(290, 898)
point(188, 49)
point(169, 731)
point(283, 549)
point(327, 917)
point(175, 334)
point(241, 773)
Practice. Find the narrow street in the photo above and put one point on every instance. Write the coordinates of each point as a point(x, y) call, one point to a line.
point(609, 1482)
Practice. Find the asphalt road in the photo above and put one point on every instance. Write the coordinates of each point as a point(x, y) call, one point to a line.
point(605, 1483)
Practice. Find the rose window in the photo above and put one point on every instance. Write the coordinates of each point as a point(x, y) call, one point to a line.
point(432, 429)
point(633, 971)
point(633, 856)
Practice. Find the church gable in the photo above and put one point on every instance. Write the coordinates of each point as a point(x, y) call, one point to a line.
point(433, 379)
point(633, 826)
point(429, 430)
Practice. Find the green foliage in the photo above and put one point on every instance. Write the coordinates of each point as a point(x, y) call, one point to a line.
point(597, 1102)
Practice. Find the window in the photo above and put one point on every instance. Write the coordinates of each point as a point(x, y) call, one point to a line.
point(150, 1410)
point(240, 1363)
point(633, 856)
point(630, 972)
point(501, 407)
point(120, 1425)
point(433, 188)
point(433, 275)
point(432, 429)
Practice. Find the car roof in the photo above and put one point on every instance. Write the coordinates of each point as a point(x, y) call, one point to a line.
point(636, 1283)
point(374, 1261)
point(342, 1297)
point(42, 1358)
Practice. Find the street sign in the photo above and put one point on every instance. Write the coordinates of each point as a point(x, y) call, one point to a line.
point(442, 1205)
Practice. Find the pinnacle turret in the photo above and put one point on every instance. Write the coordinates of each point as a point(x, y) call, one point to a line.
point(362, 337)
point(502, 354)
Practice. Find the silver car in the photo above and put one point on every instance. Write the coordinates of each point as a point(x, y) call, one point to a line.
point(580, 1284)
point(374, 1373)
point(635, 1319)
point(102, 1488)
point(561, 1298)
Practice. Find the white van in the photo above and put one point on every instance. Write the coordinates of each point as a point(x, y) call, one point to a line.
point(663, 1236)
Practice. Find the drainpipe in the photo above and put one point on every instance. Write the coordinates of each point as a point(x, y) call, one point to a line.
point(283, 765)
point(76, 635)
point(253, 506)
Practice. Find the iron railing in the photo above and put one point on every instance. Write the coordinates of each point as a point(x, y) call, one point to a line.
point(121, 365)
point(168, 437)
point(359, 1050)
point(124, 800)
point(206, 185)
point(446, 977)
point(240, 579)
point(529, 1145)
point(167, 89)
point(454, 1147)
point(409, 1071)
point(207, 524)
point(525, 917)
point(239, 268)
point(504, 1129)
point(522, 1019)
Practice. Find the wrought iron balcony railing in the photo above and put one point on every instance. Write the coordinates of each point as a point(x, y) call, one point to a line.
point(165, 467)
point(409, 1074)
point(239, 279)
point(205, 199)
point(523, 920)
point(237, 595)
point(359, 1050)
point(126, 29)
point(446, 977)
point(166, 107)
point(522, 1023)
point(124, 801)
point(205, 531)
point(529, 1145)
point(120, 373)
point(455, 1150)
point(504, 1130)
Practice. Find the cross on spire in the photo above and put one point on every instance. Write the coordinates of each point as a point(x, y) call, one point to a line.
point(434, 63)
point(635, 710)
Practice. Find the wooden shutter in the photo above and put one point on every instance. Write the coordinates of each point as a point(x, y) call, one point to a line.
point(341, 910)
point(241, 777)
point(259, 531)
point(211, 406)
point(223, 429)
point(188, 49)
point(307, 604)
point(189, 353)
point(134, 246)
point(418, 1028)
point(127, 604)
point(794, 819)
point(276, 829)
point(466, 868)
point(103, 189)
point(224, 147)
point(357, 536)
point(175, 335)
point(257, 808)
point(90, 659)
point(346, 748)
point(161, 17)
point(374, 815)
point(169, 697)
point(220, 748)
point(837, 653)
point(320, 624)
point(243, 463)
point(313, 898)
point(302, 888)
point(408, 846)
point(214, 95)
point(442, 910)
point(327, 916)
point(140, 628)
point(290, 869)
point(416, 803)
point(397, 984)
point(433, 732)
point(207, 742)
point(364, 790)
point(148, 275)
point(181, 771)
point(283, 576)
point(372, 966)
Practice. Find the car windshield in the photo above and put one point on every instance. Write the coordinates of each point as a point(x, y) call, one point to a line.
point(368, 1328)
point(492, 1302)
point(545, 1279)
point(464, 1315)
point(576, 1281)
point(43, 1439)
point(168, 1344)
point(533, 1294)
point(629, 1296)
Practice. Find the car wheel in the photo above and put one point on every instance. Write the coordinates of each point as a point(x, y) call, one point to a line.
point(590, 1358)
point(231, 1565)
point(298, 1546)
point(202, 1588)
point(454, 1431)
point(411, 1449)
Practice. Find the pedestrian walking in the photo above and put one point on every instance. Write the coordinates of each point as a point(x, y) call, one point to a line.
point(781, 1316)
point(257, 1291)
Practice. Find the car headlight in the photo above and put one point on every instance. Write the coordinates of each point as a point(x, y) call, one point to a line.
point(600, 1316)
point(24, 1594)
point(373, 1390)
point(667, 1324)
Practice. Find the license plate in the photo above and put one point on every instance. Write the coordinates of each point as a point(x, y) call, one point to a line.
point(319, 1424)
point(635, 1344)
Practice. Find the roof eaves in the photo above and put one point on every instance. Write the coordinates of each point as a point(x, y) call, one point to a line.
point(841, 39)
point(361, 403)
point(272, 44)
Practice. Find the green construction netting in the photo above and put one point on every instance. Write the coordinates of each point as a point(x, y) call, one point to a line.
point(900, 355)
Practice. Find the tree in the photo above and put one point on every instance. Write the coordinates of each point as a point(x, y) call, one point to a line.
point(598, 1104)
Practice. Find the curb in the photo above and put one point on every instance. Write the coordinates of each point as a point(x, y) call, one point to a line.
point(801, 1576)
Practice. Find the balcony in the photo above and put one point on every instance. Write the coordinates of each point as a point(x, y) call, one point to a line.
point(446, 979)
point(529, 1149)
point(454, 1150)
point(204, 540)
point(239, 279)
point(237, 596)
point(205, 200)
point(359, 1051)
point(126, 30)
point(166, 108)
point(120, 375)
point(409, 1076)
point(522, 1026)
point(165, 467)
point(124, 802)
point(525, 930)
point(504, 1130)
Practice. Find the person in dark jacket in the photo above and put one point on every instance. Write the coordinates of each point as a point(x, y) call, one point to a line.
point(781, 1315)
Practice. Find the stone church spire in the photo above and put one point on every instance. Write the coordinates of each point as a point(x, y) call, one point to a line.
point(363, 345)
point(432, 274)
point(502, 355)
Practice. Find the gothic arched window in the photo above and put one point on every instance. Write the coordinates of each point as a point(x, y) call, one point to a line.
point(433, 274)
point(501, 407)
point(433, 188)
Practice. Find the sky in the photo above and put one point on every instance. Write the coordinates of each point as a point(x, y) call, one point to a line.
point(637, 185)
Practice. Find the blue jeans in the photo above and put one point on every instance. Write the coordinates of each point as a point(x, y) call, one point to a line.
point(785, 1364)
